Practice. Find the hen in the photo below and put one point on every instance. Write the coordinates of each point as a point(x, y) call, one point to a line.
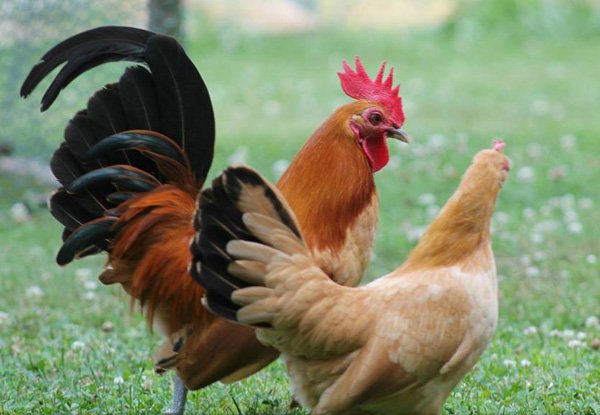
point(398, 345)
point(133, 163)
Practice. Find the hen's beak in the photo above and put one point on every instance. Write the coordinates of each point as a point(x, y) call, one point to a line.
point(398, 134)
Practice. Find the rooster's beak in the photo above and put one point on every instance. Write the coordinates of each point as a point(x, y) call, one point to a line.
point(398, 134)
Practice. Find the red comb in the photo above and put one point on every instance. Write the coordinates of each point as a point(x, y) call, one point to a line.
point(358, 85)
point(498, 144)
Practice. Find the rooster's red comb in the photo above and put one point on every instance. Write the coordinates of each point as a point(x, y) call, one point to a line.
point(359, 85)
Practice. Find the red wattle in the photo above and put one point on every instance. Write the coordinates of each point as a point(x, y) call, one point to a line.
point(377, 153)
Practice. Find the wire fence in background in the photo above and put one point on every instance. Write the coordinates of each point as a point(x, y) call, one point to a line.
point(27, 30)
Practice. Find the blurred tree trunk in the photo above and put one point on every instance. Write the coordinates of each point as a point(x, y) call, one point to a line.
point(166, 17)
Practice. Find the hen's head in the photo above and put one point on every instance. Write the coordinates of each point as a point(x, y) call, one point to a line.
point(376, 115)
point(493, 164)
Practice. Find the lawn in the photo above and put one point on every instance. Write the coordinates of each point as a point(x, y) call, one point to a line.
point(70, 345)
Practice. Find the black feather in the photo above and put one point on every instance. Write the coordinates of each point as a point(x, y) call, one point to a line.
point(168, 97)
point(126, 177)
point(67, 210)
point(85, 237)
point(185, 107)
point(119, 197)
point(133, 140)
point(88, 49)
point(138, 96)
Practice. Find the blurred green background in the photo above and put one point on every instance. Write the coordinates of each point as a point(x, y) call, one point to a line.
point(471, 70)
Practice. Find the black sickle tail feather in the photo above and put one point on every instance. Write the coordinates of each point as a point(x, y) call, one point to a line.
point(219, 222)
point(155, 125)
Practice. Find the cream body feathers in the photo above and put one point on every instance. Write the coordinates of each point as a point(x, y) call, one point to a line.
point(398, 345)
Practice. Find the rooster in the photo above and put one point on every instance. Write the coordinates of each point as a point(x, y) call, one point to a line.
point(132, 165)
point(398, 345)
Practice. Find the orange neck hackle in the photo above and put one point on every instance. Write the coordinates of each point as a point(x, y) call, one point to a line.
point(329, 182)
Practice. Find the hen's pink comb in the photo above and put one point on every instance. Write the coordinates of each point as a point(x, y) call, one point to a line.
point(498, 144)
point(359, 85)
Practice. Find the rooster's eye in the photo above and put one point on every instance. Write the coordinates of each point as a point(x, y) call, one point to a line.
point(375, 118)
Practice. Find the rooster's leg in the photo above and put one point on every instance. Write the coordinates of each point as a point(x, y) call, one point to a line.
point(179, 397)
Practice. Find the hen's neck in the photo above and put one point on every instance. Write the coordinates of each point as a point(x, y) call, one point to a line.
point(328, 184)
point(461, 231)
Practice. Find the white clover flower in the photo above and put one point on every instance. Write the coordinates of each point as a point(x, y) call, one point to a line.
point(414, 234)
point(564, 273)
point(539, 256)
point(585, 203)
point(558, 173)
point(449, 171)
point(19, 213)
point(239, 156)
point(509, 363)
point(501, 217)
point(77, 345)
point(494, 356)
point(3, 317)
point(118, 380)
point(528, 213)
point(570, 216)
point(591, 259)
point(568, 334)
point(83, 274)
point(568, 141)
point(531, 330)
point(271, 108)
point(592, 321)
point(575, 227)
point(581, 335)
point(426, 199)
point(89, 295)
point(34, 292)
point(575, 343)
point(525, 259)
point(436, 141)
point(556, 333)
point(432, 212)
point(534, 150)
point(546, 226)
point(90, 285)
point(280, 166)
point(537, 238)
point(540, 107)
point(526, 174)
point(567, 201)
point(525, 363)
point(532, 271)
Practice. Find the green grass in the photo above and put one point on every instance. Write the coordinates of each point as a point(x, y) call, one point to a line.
point(269, 95)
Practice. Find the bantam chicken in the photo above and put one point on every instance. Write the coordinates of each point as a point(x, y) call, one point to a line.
point(132, 165)
point(398, 345)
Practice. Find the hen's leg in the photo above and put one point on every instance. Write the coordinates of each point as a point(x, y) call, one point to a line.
point(179, 397)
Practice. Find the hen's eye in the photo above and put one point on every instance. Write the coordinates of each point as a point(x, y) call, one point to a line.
point(375, 118)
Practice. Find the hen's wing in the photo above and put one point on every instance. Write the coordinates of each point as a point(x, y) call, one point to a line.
point(250, 257)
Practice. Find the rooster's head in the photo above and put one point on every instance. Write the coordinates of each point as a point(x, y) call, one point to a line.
point(376, 115)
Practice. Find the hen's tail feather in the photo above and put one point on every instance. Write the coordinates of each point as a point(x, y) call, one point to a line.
point(238, 209)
